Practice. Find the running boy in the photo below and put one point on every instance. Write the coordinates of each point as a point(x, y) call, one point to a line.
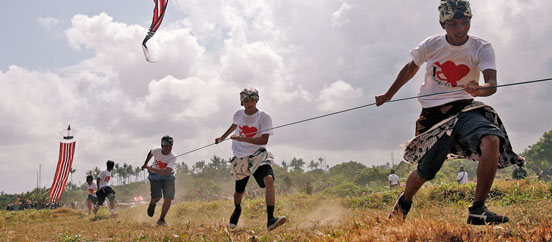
point(253, 128)
point(452, 122)
point(104, 190)
point(161, 177)
point(92, 198)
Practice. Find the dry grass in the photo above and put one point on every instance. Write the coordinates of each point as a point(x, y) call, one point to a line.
point(315, 218)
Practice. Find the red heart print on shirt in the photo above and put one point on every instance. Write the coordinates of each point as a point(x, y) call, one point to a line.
point(160, 164)
point(249, 132)
point(452, 72)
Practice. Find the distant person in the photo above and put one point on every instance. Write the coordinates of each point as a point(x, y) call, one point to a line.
point(519, 173)
point(394, 181)
point(253, 128)
point(308, 188)
point(544, 176)
point(92, 198)
point(161, 177)
point(104, 190)
point(454, 62)
point(462, 177)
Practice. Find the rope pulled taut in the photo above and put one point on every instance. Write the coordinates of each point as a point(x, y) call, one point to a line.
point(371, 104)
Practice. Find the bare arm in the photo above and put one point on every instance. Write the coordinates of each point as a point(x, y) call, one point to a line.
point(163, 171)
point(406, 73)
point(148, 157)
point(230, 130)
point(262, 140)
point(473, 87)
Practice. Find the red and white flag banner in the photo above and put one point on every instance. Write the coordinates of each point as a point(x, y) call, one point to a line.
point(66, 152)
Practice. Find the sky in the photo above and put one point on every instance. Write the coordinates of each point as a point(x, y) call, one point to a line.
point(80, 63)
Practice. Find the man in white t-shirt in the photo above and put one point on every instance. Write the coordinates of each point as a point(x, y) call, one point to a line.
point(104, 190)
point(161, 177)
point(92, 198)
point(462, 177)
point(394, 180)
point(454, 61)
point(252, 129)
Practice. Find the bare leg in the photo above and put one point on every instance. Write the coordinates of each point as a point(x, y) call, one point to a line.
point(488, 164)
point(155, 200)
point(238, 197)
point(112, 205)
point(166, 206)
point(413, 184)
point(89, 206)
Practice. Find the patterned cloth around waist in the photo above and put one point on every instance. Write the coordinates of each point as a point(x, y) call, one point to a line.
point(431, 116)
point(423, 142)
point(246, 166)
point(156, 177)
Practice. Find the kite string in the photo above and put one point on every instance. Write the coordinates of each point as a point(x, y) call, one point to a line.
point(368, 105)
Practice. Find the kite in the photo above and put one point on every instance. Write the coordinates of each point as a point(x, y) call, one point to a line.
point(66, 152)
point(158, 14)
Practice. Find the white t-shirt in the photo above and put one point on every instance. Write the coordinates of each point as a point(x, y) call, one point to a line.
point(462, 177)
point(394, 179)
point(249, 126)
point(105, 177)
point(92, 189)
point(161, 161)
point(449, 66)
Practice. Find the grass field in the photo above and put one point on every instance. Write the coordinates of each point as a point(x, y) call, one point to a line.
point(439, 214)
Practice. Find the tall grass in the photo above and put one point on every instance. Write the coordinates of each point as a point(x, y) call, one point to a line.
point(439, 214)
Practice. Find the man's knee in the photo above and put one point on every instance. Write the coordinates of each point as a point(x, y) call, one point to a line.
point(268, 180)
point(489, 143)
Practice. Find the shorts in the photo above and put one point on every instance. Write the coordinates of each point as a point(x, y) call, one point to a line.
point(162, 187)
point(468, 131)
point(260, 174)
point(94, 199)
point(103, 193)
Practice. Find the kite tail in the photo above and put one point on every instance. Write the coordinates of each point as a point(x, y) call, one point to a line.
point(145, 48)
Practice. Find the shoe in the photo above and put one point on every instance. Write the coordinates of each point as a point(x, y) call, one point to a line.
point(161, 222)
point(96, 209)
point(275, 223)
point(483, 215)
point(235, 217)
point(151, 209)
point(401, 207)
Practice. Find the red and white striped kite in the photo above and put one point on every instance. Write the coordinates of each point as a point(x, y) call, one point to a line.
point(66, 152)
point(158, 14)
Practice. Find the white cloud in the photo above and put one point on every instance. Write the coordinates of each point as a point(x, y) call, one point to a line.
point(338, 95)
point(48, 22)
point(307, 58)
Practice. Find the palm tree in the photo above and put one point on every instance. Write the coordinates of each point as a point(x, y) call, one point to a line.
point(96, 171)
point(71, 172)
point(137, 171)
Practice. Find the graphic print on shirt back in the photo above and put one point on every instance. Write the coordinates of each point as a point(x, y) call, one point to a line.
point(247, 131)
point(448, 74)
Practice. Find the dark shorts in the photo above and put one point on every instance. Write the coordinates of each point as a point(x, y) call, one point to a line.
point(92, 198)
point(468, 131)
point(260, 174)
point(162, 187)
point(103, 193)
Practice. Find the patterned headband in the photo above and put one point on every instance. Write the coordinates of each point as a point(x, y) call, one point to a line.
point(450, 9)
point(249, 93)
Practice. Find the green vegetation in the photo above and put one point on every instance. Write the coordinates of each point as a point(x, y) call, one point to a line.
point(440, 209)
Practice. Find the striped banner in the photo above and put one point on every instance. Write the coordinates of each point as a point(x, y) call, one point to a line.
point(66, 152)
